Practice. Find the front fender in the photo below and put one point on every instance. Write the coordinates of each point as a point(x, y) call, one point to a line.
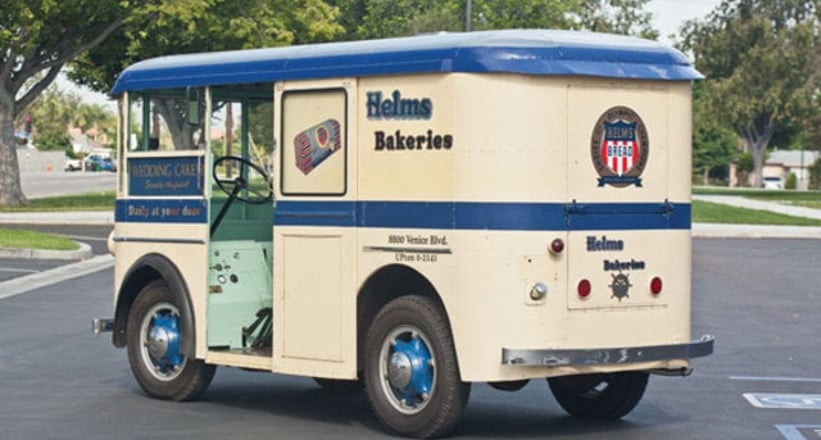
point(145, 270)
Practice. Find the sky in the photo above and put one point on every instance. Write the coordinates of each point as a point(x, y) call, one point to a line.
point(668, 16)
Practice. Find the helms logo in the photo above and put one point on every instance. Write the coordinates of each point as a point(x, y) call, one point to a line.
point(619, 147)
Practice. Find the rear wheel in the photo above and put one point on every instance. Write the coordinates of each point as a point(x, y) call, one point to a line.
point(599, 396)
point(411, 373)
point(154, 335)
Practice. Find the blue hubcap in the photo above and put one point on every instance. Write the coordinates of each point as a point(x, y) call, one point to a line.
point(161, 342)
point(409, 369)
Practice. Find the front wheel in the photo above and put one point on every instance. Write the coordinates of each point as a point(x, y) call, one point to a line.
point(154, 335)
point(599, 396)
point(411, 374)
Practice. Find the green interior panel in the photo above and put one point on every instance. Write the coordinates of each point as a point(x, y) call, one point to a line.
point(243, 221)
point(239, 285)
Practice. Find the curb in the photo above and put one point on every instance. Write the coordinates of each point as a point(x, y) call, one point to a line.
point(718, 230)
point(59, 218)
point(18, 286)
point(83, 253)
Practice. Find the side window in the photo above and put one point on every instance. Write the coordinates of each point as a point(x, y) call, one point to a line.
point(167, 121)
point(314, 149)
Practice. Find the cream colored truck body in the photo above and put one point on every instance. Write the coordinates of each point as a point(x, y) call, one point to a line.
point(454, 183)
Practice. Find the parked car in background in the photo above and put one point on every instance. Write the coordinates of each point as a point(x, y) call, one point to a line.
point(96, 162)
point(773, 183)
point(73, 165)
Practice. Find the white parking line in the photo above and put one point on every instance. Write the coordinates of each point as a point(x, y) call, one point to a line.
point(775, 379)
point(793, 432)
point(37, 280)
point(17, 270)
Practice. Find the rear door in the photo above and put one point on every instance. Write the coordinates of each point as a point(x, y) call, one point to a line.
point(618, 203)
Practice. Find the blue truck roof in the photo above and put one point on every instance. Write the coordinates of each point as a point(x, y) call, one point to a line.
point(529, 52)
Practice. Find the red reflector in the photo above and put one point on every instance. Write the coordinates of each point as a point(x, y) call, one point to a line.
point(655, 285)
point(584, 288)
point(557, 246)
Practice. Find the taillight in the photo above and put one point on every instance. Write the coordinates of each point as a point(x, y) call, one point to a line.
point(655, 285)
point(556, 246)
point(584, 288)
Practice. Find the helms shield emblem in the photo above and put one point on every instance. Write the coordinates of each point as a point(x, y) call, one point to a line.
point(619, 147)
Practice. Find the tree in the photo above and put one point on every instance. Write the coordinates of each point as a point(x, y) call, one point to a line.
point(190, 26)
point(626, 17)
point(815, 175)
point(37, 38)
point(202, 26)
point(379, 19)
point(714, 146)
point(760, 58)
point(54, 111)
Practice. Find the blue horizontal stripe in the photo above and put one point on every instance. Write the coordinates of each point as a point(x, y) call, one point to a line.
point(431, 215)
point(485, 216)
point(161, 211)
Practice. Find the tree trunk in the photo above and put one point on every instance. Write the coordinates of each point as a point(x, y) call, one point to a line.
point(757, 149)
point(11, 193)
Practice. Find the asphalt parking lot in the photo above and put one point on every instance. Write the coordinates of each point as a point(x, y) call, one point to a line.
point(760, 297)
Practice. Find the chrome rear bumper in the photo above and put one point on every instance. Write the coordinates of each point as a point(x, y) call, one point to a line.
point(101, 325)
point(608, 356)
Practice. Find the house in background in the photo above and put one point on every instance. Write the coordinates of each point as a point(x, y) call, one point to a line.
point(782, 163)
point(81, 143)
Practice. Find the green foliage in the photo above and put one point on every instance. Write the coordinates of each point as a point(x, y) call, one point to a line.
point(380, 18)
point(706, 212)
point(815, 175)
point(761, 61)
point(186, 26)
point(54, 111)
point(714, 146)
point(626, 17)
point(792, 181)
point(22, 239)
point(745, 162)
point(97, 201)
point(55, 142)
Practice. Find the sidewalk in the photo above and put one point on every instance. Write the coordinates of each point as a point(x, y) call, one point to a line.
point(59, 218)
point(743, 202)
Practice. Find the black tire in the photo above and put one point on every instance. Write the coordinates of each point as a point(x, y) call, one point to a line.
point(606, 396)
point(153, 348)
point(339, 385)
point(434, 395)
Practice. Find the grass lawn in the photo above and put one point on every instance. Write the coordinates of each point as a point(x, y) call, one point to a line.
point(807, 199)
point(100, 201)
point(17, 238)
point(706, 212)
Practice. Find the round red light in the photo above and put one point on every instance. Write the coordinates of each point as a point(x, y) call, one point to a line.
point(655, 285)
point(557, 246)
point(584, 288)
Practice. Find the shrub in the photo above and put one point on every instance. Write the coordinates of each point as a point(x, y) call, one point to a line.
point(792, 181)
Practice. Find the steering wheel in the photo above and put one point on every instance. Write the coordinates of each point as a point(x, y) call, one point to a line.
point(239, 188)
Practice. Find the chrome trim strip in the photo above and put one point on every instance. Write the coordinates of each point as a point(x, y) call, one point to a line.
point(158, 240)
point(611, 356)
point(406, 249)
